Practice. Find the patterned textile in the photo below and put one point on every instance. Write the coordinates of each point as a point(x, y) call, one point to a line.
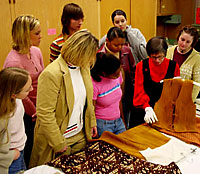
point(101, 157)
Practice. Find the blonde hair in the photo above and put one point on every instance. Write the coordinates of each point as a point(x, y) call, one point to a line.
point(22, 26)
point(80, 49)
point(12, 80)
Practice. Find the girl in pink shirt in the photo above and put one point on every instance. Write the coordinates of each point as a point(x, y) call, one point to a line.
point(107, 93)
point(26, 55)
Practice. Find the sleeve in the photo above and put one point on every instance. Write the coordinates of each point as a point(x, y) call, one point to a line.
point(120, 78)
point(12, 64)
point(138, 44)
point(6, 155)
point(29, 106)
point(54, 51)
point(95, 90)
point(47, 97)
point(196, 77)
point(102, 41)
point(41, 59)
point(140, 99)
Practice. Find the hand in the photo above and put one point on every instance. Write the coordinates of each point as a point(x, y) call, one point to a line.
point(150, 116)
point(34, 116)
point(94, 131)
point(16, 154)
point(62, 150)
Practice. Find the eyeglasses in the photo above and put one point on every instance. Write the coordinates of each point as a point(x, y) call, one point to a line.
point(158, 57)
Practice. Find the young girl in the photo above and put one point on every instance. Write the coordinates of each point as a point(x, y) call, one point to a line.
point(107, 78)
point(15, 85)
point(115, 44)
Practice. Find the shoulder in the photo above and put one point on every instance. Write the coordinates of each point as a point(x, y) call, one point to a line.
point(102, 49)
point(14, 59)
point(133, 30)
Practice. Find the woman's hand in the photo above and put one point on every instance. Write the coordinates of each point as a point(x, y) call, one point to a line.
point(94, 132)
point(17, 154)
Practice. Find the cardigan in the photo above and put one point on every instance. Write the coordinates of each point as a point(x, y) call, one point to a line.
point(34, 66)
point(190, 69)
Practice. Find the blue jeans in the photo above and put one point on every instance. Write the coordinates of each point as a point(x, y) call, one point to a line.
point(114, 126)
point(18, 164)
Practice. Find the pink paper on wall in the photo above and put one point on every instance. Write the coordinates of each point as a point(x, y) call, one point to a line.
point(51, 31)
point(198, 16)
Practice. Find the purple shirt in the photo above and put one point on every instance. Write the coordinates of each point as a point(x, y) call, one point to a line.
point(34, 66)
point(107, 94)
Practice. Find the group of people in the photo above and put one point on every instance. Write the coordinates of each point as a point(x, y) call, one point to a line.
point(88, 88)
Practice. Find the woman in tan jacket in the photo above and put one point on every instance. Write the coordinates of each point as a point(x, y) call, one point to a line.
point(65, 111)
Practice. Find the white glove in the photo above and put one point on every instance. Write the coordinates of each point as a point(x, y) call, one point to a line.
point(150, 116)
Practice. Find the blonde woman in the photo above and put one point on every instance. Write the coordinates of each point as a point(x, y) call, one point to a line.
point(25, 54)
point(15, 85)
point(65, 112)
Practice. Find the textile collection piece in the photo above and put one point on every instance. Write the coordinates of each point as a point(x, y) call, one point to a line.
point(176, 112)
point(120, 153)
point(101, 157)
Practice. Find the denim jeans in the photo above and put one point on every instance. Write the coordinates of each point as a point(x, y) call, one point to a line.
point(114, 126)
point(18, 164)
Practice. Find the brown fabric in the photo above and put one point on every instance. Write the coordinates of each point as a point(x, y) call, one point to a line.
point(175, 109)
point(164, 106)
point(101, 157)
point(188, 137)
point(185, 109)
point(136, 139)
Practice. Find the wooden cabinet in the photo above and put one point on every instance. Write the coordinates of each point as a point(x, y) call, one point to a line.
point(166, 7)
point(49, 14)
point(143, 16)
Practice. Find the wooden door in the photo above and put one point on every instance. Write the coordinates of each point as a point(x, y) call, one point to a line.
point(143, 16)
point(5, 30)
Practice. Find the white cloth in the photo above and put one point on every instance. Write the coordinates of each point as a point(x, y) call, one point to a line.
point(43, 169)
point(173, 151)
point(76, 120)
point(16, 127)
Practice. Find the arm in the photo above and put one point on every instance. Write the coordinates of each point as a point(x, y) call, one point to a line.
point(140, 99)
point(54, 51)
point(196, 78)
point(6, 155)
point(102, 41)
point(47, 96)
point(137, 43)
point(94, 129)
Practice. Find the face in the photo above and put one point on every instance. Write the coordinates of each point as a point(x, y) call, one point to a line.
point(184, 42)
point(157, 58)
point(115, 75)
point(75, 25)
point(120, 22)
point(35, 36)
point(25, 90)
point(115, 45)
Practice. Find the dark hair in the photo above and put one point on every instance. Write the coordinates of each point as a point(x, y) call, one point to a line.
point(115, 32)
point(192, 32)
point(156, 45)
point(106, 63)
point(117, 12)
point(70, 11)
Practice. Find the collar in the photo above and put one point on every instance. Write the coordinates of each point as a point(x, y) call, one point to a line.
point(115, 54)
